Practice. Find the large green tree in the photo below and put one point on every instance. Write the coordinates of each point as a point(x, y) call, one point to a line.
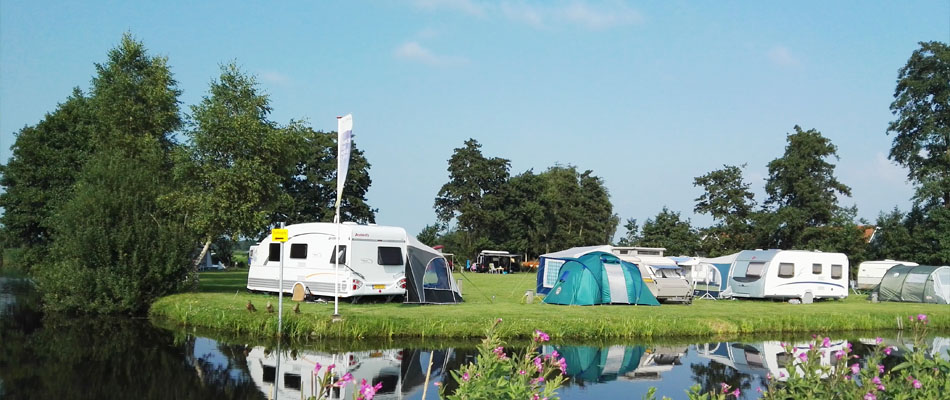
point(115, 249)
point(727, 198)
point(802, 190)
point(922, 128)
point(670, 231)
point(472, 177)
point(39, 176)
point(231, 169)
point(312, 186)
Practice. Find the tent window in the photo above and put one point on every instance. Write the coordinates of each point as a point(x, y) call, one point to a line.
point(273, 253)
point(298, 251)
point(437, 275)
point(389, 256)
point(755, 269)
point(552, 269)
point(836, 271)
point(292, 381)
point(816, 269)
point(786, 270)
point(341, 255)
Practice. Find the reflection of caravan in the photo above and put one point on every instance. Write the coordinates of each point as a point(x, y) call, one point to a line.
point(661, 274)
point(292, 379)
point(871, 272)
point(656, 361)
point(765, 357)
point(788, 274)
point(372, 260)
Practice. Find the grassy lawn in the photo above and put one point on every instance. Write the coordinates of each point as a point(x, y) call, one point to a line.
point(220, 304)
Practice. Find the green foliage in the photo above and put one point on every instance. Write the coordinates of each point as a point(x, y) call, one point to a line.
point(917, 377)
point(802, 190)
point(729, 201)
point(312, 186)
point(632, 237)
point(39, 177)
point(115, 249)
point(496, 374)
point(922, 107)
point(920, 235)
point(430, 234)
point(667, 230)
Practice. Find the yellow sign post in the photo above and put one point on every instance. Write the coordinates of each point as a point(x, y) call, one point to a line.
point(279, 235)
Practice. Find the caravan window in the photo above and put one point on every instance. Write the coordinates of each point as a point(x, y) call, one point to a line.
point(342, 255)
point(298, 251)
point(389, 256)
point(755, 269)
point(836, 271)
point(786, 270)
point(273, 253)
point(816, 269)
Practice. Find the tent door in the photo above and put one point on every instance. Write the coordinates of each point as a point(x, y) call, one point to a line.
point(617, 283)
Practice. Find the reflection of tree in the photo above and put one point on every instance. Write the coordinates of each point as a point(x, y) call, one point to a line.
point(104, 358)
point(711, 375)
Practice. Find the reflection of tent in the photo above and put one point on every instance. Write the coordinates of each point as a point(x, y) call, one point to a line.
point(599, 278)
point(593, 364)
point(549, 265)
point(429, 276)
point(920, 284)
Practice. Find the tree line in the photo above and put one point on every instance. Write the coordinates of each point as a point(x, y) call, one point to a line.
point(482, 207)
point(109, 210)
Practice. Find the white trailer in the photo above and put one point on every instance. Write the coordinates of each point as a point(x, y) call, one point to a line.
point(870, 273)
point(372, 261)
point(661, 274)
point(788, 274)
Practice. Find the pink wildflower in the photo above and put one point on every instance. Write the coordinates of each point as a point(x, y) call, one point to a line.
point(331, 367)
point(540, 336)
point(522, 372)
point(538, 381)
point(466, 377)
point(781, 374)
point(917, 384)
point(344, 380)
point(870, 396)
point(876, 381)
point(316, 368)
point(437, 384)
point(537, 363)
point(855, 368)
point(367, 392)
point(880, 369)
point(826, 342)
point(554, 354)
point(725, 387)
point(887, 350)
point(803, 356)
point(500, 352)
point(736, 393)
point(562, 365)
point(878, 340)
point(922, 318)
point(839, 354)
point(880, 387)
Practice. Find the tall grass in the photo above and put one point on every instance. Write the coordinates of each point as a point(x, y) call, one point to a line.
point(220, 304)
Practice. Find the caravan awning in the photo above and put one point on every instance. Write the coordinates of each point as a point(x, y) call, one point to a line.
point(665, 267)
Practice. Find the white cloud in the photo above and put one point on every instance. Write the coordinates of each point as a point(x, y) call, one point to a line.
point(590, 15)
point(413, 51)
point(464, 6)
point(275, 78)
point(604, 17)
point(783, 57)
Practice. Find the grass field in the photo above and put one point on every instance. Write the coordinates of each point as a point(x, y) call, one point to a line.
point(220, 305)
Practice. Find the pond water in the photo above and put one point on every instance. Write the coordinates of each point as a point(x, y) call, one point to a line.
point(103, 358)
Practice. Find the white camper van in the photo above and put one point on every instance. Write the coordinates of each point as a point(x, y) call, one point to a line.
point(788, 274)
point(661, 274)
point(870, 273)
point(371, 261)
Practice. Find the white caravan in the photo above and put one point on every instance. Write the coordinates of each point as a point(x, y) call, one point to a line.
point(870, 273)
point(371, 259)
point(661, 274)
point(788, 274)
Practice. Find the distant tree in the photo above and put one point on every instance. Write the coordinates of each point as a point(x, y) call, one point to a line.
point(232, 167)
point(669, 231)
point(729, 201)
point(313, 186)
point(429, 235)
point(520, 214)
point(892, 238)
point(802, 189)
point(39, 177)
point(922, 107)
point(472, 177)
point(577, 209)
point(931, 232)
point(632, 237)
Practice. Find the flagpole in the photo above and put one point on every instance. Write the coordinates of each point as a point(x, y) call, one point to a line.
point(344, 133)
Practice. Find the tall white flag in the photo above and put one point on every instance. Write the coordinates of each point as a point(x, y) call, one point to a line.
point(344, 139)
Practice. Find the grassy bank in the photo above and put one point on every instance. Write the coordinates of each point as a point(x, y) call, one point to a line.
point(220, 304)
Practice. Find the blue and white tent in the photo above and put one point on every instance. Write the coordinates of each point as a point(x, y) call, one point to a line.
point(549, 265)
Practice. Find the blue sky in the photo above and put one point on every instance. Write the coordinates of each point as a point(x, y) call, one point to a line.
point(647, 95)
